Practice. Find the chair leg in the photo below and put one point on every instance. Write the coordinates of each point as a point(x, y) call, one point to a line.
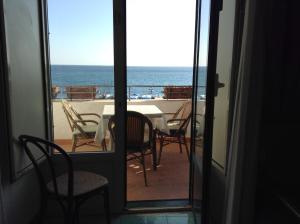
point(74, 143)
point(104, 147)
point(106, 204)
point(70, 213)
point(161, 142)
point(69, 219)
point(76, 215)
point(180, 146)
point(144, 169)
point(186, 148)
point(43, 209)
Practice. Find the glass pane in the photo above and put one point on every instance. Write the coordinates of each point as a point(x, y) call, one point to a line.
point(82, 74)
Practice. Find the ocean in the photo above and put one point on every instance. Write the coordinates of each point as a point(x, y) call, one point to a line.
point(102, 76)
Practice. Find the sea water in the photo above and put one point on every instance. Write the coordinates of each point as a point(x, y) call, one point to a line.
point(141, 81)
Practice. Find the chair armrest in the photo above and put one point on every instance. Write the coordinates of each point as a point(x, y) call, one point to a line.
point(86, 121)
point(169, 113)
point(86, 114)
point(177, 119)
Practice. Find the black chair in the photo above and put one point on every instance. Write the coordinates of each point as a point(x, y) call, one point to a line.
point(136, 147)
point(177, 128)
point(71, 188)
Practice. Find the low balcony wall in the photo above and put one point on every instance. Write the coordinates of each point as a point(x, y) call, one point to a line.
point(62, 129)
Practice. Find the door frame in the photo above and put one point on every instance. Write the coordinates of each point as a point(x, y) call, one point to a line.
point(215, 8)
point(45, 54)
point(120, 79)
point(194, 96)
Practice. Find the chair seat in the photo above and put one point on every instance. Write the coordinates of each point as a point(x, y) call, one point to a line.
point(171, 132)
point(88, 129)
point(84, 182)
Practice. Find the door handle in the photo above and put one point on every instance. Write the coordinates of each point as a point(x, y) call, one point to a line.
point(218, 84)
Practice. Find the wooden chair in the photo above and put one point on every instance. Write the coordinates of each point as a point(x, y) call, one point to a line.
point(70, 188)
point(83, 131)
point(136, 146)
point(176, 131)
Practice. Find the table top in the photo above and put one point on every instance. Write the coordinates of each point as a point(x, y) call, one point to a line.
point(148, 110)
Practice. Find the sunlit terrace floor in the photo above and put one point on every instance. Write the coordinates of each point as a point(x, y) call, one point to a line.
point(169, 181)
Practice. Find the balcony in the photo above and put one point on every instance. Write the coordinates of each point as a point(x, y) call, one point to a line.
point(159, 181)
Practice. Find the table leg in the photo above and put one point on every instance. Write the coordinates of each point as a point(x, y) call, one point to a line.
point(154, 157)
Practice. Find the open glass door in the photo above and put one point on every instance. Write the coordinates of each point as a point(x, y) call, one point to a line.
point(199, 105)
point(209, 157)
point(88, 73)
point(203, 122)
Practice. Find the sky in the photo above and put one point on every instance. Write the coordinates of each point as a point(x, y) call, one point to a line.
point(159, 32)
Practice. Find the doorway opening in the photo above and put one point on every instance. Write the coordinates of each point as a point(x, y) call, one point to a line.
point(160, 56)
point(160, 85)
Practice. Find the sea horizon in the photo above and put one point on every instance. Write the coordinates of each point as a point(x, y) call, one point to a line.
point(164, 66)
point(103, 76)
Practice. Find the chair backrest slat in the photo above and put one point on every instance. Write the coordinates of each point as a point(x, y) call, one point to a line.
point(184, 113)
point(72, 115)
point(136, 126)
point(30, 144)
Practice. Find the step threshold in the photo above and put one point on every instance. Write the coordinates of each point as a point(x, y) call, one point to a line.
point(158, 206)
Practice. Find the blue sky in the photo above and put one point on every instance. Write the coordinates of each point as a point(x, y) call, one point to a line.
point(159, 32)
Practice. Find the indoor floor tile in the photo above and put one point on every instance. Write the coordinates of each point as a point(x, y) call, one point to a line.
point(155, 218)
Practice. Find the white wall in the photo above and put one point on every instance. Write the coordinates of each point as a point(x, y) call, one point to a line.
point(61, 126)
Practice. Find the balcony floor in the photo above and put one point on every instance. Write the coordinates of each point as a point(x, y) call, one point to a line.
point(169, 181)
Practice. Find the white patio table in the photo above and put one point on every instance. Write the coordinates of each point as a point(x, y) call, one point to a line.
point(151, 111)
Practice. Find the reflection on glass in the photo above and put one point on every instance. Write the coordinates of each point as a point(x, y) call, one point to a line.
point(200, 105)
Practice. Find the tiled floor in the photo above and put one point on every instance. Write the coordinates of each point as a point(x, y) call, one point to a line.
point(158, 218)
point(155, 218)
point(169, 181)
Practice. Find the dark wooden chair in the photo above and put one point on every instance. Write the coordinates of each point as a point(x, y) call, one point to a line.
point(137, 146)
point(71, 188)
point(176, 131)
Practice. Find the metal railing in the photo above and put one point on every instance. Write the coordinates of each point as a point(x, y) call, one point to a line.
point(133, 92)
